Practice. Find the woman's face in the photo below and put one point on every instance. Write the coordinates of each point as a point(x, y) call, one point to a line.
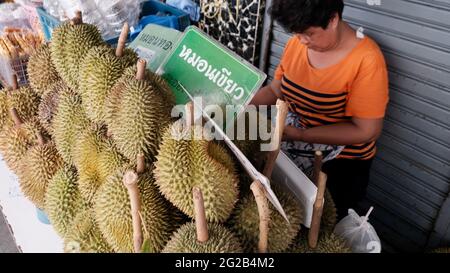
point(319, 39)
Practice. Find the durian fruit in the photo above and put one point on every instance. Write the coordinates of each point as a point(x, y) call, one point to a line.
point(329, 214)
point(63, 200)
point(139, 119)
point(42, 73)
point(245, 222)
point(49, 105)
point(84, 236)
point(71, 43)
point(157, 82)
point(16, 140)
point(200, 237)
point(96, 158)
point(328, 242)
point(68, 123)
point(184, 162)
point(25, 101)
point(100, 70)
point(37, 168)
point(5, 119)
point(112, 213)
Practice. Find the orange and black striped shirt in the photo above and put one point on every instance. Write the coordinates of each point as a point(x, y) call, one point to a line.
point(357, 86)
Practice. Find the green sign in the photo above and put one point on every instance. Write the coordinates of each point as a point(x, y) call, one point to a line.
point(154, 44)
point(207, 69)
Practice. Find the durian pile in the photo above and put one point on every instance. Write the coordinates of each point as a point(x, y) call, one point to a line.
point(91, 115)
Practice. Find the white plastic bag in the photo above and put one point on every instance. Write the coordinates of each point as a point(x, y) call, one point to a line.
point(358, 233)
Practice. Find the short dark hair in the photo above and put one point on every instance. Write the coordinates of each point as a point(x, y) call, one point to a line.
point(296, 16)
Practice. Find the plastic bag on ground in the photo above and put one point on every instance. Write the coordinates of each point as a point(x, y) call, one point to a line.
point(358, 233)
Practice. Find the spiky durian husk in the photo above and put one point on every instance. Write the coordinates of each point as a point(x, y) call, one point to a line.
point(68, 123)
point(58, 48)
point(5, 119)
point(112, 213)
point(139, 120)
point(100, 70)
point(185, 163)
point(328, 242)
point(16, 140)
point(25, 101)
point(84, 236)
point(158, 83)
point(245, 222)
point(221, 240)
point(63, 200)
point(49, 105)
point(42, 73)
point(85, 156)
point(96, 158)
point(71, 43)
point(37, 168)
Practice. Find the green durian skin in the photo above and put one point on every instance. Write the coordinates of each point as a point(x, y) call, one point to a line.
point(84, 236)
point(38, 166)
point(42, 73)
point(327, 243)
point(245, 222)
point(68, 123)
point(63, 200)
point(139, 121)
point(112, 213)
point(71, 43)
point(220, 240)
point(186, 163)
point(100, 70)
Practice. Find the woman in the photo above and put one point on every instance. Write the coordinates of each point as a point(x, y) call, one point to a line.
point(336, 84)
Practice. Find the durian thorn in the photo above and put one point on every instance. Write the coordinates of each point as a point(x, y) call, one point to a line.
point(40, 138)
point(317, 166)
point(140, 74)
point(264, 215)
point(130, 181)
point(200, 216)
point(15, 116)
point(313, 234)
point(122, 40)
point(140, 166)
point(15, 82)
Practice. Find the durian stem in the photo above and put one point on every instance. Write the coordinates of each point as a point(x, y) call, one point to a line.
point(282, 111)
point(200, 216)
point(140, 74)
point(313, 234)
point(130, 181)
point(122, 40)
point(15, 82)
point(15, 117)
point(140, 166)
point(78, 19)
point(264, 215)
point(189, 112)
point(317, 166)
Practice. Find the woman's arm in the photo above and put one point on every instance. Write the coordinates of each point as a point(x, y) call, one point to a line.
point(358, 130)
point(268, 95)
